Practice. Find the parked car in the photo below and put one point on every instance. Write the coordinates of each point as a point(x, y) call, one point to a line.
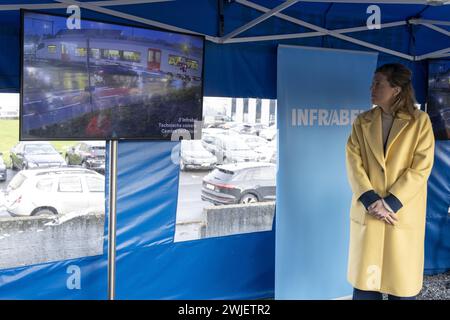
point(3, 174)
point(26, 155)
point(249, 128)
point(229, 125)
point(209, 143)
point(267, 153)
point(253, 141)
point(213, 131)
point(240, 183)
point(269, 133)
point(54, 191)
point(195, 156)
point(231, 149)
point(88, 154)
point(216, 121)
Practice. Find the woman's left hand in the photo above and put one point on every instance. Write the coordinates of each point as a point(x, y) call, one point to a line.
point(378, 210)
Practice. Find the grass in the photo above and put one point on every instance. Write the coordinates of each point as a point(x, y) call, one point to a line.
point(9, 137)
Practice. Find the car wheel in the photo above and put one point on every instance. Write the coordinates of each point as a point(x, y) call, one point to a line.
point(84, 164)
point(13, 167)
point(67, 160)
point(248, 198)
point(44, 212)
point(24, 166)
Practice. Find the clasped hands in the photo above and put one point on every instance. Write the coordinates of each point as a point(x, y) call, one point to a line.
point(379, 211)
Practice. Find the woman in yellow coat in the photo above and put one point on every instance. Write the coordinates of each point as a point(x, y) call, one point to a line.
point(389, 157)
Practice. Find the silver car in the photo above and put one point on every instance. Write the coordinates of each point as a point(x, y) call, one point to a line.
point(195, 156)
point(231, 149)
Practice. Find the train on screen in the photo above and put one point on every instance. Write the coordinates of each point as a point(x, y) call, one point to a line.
point(120, 56)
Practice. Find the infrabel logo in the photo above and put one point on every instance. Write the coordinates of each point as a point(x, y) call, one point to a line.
point(323, 117)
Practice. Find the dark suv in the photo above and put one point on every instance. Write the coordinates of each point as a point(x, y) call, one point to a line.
point(247, 182)
point(88, 154)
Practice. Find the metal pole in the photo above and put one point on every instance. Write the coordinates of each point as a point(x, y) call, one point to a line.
point(113, 146)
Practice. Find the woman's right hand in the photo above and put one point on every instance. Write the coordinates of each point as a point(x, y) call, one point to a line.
point(379, 211)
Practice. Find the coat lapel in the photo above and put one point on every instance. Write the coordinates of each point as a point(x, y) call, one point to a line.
point(400, 123)
point(372, 132)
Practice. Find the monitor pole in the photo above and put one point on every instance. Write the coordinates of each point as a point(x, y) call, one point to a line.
point(113, 146)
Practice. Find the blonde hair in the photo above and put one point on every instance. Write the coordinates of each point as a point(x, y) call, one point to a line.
point(400, 76)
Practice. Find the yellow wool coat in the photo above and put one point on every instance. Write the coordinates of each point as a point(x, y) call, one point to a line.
point(382, 257)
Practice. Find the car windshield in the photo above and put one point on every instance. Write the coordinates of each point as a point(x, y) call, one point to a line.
point(193, 146)
point(39, 149)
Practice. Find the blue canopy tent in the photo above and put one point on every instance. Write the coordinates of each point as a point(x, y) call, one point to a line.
point(411, 31)
point(240, 61)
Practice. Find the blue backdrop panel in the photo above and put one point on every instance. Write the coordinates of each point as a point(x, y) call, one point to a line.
point(233, 267)
point(50, 280)
point(437, 236)
point(313, 195)
point(151, 266)
point(147, 188)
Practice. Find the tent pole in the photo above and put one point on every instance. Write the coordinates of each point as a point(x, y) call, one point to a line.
point(438, 22)
point(135, 18)
point(437, 29)
point(327, 32)
point(265, 16)
point(309, 34)
point(436, 54)
point(113, 146)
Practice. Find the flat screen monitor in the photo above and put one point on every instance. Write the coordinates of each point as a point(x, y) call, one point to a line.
point(107, 81)
point(438, 104)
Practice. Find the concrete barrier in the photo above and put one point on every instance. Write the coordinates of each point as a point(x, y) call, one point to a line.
point(32, 240)
point(235, 219)
point(186, 231)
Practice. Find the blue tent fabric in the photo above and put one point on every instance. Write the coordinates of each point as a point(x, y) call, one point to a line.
point(241, 266)
point(256, 78)
point(150, 265)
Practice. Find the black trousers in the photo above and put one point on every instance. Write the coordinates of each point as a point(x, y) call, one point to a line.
point(375, 295)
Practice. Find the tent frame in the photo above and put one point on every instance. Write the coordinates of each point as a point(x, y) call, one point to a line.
point(99, 6)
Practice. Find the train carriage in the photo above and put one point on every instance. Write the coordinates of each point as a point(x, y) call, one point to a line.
point(132, 55)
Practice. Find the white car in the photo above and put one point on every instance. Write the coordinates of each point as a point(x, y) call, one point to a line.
point(267, 153)
point(231, 149)
point(195, 156)
point(55, 191)
point(3, 171)
point(269, 133)
point(253, 141)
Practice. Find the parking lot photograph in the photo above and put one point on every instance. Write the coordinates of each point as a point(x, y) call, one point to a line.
point(227, 179)
point(53, 189)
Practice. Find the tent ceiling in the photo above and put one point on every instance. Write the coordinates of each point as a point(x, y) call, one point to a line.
point(315, 18)
point(243, 34)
